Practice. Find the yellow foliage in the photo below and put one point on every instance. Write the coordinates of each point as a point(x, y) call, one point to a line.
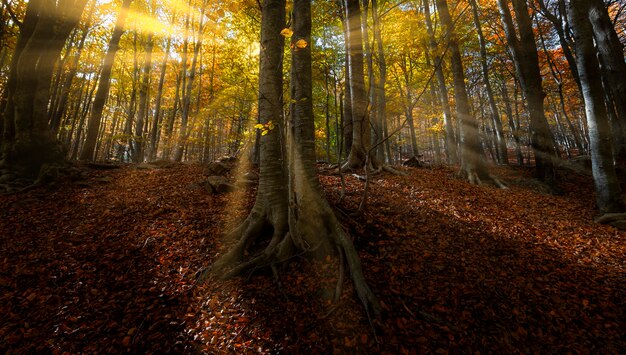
point(301, 43)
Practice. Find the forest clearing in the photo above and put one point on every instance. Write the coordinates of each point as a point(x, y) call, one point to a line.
point(108, 263)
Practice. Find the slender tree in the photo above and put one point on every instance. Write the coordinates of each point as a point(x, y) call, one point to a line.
point(501, 149)
point(473, 166)
point(93, 126)
point(138, 153)
point(450, 145)
point(358, 93)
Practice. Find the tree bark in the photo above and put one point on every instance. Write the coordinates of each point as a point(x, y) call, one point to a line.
point(526, 60)
point(495, 115)
point(611, 53)
point(473, 166)
point(296, 214)
point(93, 127)
point(608, 194)
point(450, 138)
point(358, 94)
point(139, 141)
point(27, 142)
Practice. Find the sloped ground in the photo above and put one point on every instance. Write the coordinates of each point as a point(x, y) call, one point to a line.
point(108, 266)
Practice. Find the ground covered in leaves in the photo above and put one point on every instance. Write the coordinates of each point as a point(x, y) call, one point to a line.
point(108, 264)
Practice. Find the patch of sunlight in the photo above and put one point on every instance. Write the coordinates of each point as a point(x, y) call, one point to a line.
point(148, 24)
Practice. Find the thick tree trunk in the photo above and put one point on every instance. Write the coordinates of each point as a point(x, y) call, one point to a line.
point(293, 210)
point(608, 194)
point(526, 60)
point(611, 53)
point(88, 152)
point(27, 142)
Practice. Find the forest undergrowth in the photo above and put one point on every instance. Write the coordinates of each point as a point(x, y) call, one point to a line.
point(108, 264)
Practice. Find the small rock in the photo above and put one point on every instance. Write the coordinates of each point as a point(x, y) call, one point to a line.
point(219, 184)
point(217, 169)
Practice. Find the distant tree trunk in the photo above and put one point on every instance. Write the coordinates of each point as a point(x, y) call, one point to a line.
point(473, 166)
point(524, 51)
point(138, 153)
point(93, 127)
point(513, 122)
point(450, 137)
point(500, 142)
point(406, 93)
point(185, 109)
point(556, 75)
point(169, 126)
point(290, 217)
point(379, 85)
point(27, 142)
point(608, 194)
point(558, 23)
point(57, 111)
point(156, 122)
point(346, 112)
point(358, 95)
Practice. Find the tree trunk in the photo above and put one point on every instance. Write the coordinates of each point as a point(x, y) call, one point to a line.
point(156, 122)
point(184, 119)
point(138, 153)
point(379, 85)
point(358, 94)
point(500, 140)
point(27, 142)
point(608, 194)
point(450, 138)
point(611, 53)
point(526, 60)
point(473, 166)
point(93, 127)
point(296, 214)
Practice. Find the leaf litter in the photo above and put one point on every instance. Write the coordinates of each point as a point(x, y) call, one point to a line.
point(109, 266)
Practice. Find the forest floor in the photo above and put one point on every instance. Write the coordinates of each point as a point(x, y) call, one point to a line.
point(108, 264)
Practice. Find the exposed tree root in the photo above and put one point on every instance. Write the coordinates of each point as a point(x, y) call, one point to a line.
point(617, 220)
point(475, 177)
point(15, 181)
point(317, 232)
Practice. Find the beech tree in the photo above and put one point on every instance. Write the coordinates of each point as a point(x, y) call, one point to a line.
point(290, 213)
point(88, 152)
point(524, 51)
point(608, 194)
point(356, 81)
point(473, 165)
point(27, 141)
